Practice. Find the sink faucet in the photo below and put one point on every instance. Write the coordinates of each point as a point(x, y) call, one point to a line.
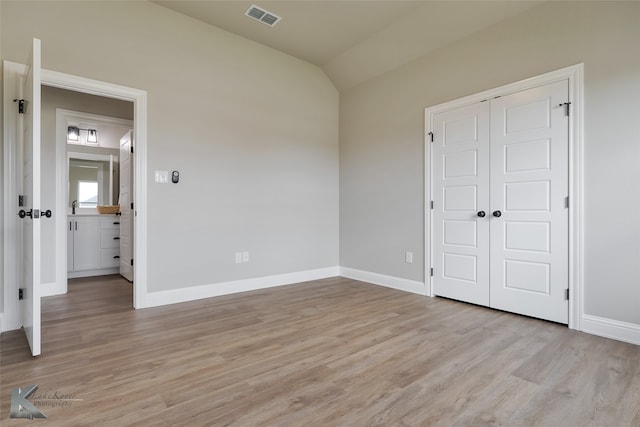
point(73, 207)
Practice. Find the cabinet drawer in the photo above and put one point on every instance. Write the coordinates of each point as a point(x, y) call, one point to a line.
point(109, 258)
point(109, 239)
point(113, 222)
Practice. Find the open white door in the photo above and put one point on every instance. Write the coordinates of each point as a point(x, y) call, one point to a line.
point(126, 219)
point(30, 211)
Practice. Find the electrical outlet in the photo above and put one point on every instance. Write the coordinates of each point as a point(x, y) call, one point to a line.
point(245, 256)
point(238, 257)
point(408, 257)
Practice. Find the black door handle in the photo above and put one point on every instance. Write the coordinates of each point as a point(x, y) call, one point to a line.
point(481, 214)
point(37, 214)
point(22, 213)
point(497, 214)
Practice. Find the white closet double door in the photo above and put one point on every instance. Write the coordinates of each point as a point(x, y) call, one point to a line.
point(500, 188)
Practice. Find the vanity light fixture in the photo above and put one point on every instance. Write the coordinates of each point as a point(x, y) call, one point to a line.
point(73, 135)
point(92, 136)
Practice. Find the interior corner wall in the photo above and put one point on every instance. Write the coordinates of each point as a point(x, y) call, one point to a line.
point(382, 141)
point(253, 132)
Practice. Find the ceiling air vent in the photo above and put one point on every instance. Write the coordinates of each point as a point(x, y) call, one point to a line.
point(259, 14)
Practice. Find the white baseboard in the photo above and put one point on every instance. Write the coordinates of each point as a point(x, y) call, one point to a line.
point(155, 299)
point(49, 289)
point(1, 316)
point(91, 273)
point(614, 329)
point(406, 285)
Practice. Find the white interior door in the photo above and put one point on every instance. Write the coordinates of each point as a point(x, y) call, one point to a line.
point(529, 187)
point(30, 305)
point(126, 219)
point(500, 231)
point(461, 204)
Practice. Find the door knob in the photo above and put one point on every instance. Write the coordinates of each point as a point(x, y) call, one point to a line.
point(481, 214)
point(497, 214)
point(47, 213)
point(22, 213)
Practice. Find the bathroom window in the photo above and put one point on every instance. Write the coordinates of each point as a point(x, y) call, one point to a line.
point(87, 194)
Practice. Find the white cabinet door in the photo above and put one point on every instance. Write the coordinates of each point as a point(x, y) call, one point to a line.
point(461, 204)
point(86, 247)
point(529, 186)
point(69, 244)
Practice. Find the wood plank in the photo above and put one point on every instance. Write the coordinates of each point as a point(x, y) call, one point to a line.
point(333, 352)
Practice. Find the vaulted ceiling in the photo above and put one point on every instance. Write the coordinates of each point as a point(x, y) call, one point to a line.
point(354, 40)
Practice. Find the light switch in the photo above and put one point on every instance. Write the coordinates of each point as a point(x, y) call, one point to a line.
point(162, 177)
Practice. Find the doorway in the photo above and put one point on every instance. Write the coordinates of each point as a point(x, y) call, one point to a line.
point(94, 245)
point(503, 194)
point(12, 76)
point(97, 236)
point(139, 217)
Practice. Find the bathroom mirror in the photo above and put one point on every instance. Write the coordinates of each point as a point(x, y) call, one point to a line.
point(92, 179)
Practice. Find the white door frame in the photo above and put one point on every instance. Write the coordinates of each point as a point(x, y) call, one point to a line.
point(574, 74)
point(56, 79)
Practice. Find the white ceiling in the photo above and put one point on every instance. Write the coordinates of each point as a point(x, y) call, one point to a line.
point(354, 40)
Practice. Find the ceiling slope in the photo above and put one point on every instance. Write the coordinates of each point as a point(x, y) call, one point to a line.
point(354, 41)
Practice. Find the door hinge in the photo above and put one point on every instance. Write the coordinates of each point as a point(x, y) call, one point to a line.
point(132, 149)
point(132, 262)
point(431, 204)
point(20, 105)
point(566, 106)
point(430, 136)
point(566, 202)
point(21, 293)
point(431, 271)
point(20, 201)
point(131, 205)
point(566, 294)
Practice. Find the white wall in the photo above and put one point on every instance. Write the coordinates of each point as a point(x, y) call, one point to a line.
point(253, 132)
point(382, 138)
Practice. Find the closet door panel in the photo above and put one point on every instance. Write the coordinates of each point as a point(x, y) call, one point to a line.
point(529, 184)
point(460, 179)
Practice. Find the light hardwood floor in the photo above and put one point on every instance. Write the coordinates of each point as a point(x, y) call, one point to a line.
point(333, 352)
